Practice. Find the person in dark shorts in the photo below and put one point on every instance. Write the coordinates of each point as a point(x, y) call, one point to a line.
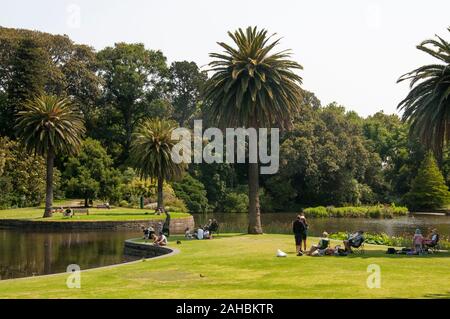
point(299, 230)
point(305, 235)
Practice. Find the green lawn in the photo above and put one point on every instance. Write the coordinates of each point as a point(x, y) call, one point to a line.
point(95, 214)
point(245, 266)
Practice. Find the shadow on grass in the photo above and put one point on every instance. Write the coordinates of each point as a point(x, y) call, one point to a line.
point(445, 295)
point(382, 253)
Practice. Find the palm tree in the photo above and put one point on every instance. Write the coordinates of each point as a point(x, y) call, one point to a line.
point(252, 87)
point(48, 126)
point(427, 105)
point(150, 153)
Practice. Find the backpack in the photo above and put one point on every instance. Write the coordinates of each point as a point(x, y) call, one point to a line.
point(391, 251)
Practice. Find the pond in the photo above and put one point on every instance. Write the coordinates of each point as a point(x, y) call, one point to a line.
point(27, 253)
point(31, 253)
point(281, 223)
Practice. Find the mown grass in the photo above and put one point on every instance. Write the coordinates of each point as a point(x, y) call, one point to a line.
point(245, 266)
point(95, 214)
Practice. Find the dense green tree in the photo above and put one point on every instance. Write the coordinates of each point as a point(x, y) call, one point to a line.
point(193, 193)
point(27, 80)
point(151, 153)
point(50, 126)
point(22, 176)
point(134, 78)
point(32, 61)
point(428, 190)
point(186, 82)
point(88, 174)
point(426, 106)
point(252, 87)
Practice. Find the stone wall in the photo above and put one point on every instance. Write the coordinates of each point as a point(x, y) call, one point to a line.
point(144, 250)
point(177, 225)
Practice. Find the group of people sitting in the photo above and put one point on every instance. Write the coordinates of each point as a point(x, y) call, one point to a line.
point(422, 244)
point(204, 232)
point(158, 237)
point(355, 240)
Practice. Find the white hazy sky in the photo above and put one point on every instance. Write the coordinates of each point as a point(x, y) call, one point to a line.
point(352, 51)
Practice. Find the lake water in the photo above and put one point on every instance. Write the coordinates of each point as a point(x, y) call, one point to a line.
point(31, 253)
point(282, 223)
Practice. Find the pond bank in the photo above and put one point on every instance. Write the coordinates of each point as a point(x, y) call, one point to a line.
point(177, 225)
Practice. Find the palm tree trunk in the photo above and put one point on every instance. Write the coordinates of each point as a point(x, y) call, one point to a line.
point(254, 214)
point(49, 184)
point(160, 193)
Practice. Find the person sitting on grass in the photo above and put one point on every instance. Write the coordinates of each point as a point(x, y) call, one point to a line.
point(324, 242)
point(187, 234)
point(148, 232)
point(199, 233)
point(206, 233)
point(160, 240)
point(68, 212)
point(354, 240)
point(418, 242)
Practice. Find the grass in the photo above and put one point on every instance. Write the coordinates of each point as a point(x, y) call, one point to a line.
point(245, 266)
point(95, 214)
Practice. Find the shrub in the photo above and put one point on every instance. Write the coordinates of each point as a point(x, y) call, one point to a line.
point(123, 203)
point(428, 190)
point(377, 211)
point(319, 211)
point(235, 203)
point(193, 193)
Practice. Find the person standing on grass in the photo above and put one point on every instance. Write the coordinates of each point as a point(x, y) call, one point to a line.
point(166, 226)
point(298, 228)
point(305, 235)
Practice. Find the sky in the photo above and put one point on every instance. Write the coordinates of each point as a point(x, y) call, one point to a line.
point(352, 51)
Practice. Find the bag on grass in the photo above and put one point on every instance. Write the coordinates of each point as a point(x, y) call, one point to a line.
point(391, 251)
point(281, 253)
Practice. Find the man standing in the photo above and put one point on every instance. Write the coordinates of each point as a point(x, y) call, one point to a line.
point(299, 230)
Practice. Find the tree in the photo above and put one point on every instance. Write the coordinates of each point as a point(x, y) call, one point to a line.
point(253, 88)
point(50, 126)
point(185, 84)
point(193, 193)
point(88, 174)
point(428, 190)
point(427, 104)
point(33, 61)
point(133, 79)
point(150, 153)
point(27, 80)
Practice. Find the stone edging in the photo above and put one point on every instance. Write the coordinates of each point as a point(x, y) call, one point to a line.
point(177, 225)
point(169, 252)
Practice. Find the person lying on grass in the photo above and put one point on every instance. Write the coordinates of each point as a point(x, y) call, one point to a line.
point(324, 242)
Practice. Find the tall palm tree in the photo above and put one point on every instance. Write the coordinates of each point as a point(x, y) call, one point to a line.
point(252, 87)
point(427, 105)
point(150, 153)
point(48, 126)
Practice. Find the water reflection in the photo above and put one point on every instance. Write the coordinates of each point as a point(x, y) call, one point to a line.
point(25, 253)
